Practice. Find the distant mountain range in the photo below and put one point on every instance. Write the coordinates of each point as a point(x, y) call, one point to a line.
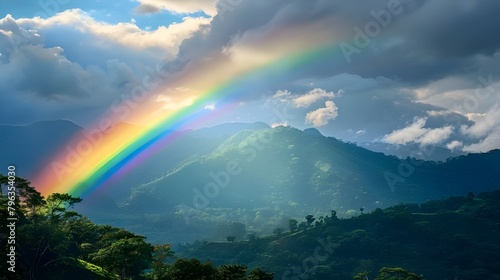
point(27, 147)
point(252, 176)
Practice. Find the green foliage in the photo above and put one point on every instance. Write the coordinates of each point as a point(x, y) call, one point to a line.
point(232, 272)
point(162, 254)
point(259, 274)
point(191, 269)
point(445, 239)
point(397, 273)
point(55, 243)
point(126, 257)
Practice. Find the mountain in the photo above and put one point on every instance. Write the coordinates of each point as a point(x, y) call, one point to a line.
point(228, 129)
point(238, 178)
point(430, 153)
point(262, 178)
point(28, 147)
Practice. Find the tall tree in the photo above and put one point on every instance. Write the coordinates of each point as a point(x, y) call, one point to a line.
point(259, 274)
point(127, 257)
point(231, 272)
point(162, 254)
point(292, 224)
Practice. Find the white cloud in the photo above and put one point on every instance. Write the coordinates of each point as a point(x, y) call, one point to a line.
point(491, 142)
point(311, 97)
point(277, 124)
point(483, 123)
point(455, 144)
point(305, 100)
point(210, 107)
point(360, 132)
point(126, 34)
point(416, 133)
point(436, 135)
point(408, 134)
point(486, 127)
point(321, 116)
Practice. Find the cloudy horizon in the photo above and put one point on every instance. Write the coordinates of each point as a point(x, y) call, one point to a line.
point(401, 72)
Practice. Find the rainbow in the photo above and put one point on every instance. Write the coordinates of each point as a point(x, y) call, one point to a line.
point(82, 167)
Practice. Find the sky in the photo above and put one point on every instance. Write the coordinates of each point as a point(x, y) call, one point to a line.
point(401, 72)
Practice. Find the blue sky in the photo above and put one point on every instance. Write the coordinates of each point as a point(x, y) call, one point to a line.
point(390, 77)
point(112, 12)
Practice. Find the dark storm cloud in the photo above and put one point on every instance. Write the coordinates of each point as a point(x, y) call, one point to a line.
point(423, 42)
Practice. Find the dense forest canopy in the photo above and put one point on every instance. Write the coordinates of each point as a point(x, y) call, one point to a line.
point(456, 238)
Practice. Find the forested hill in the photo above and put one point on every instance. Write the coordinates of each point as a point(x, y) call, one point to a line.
point(47, 240)
point(262, 178)
point(455, 238)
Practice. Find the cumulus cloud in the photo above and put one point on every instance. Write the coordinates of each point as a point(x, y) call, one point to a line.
point(311, 97)
point(126, 34)
point(417, 133)
point(486, 128)
point(322, 116)
point(483, 123)
point(303, 100)
point(455, 144)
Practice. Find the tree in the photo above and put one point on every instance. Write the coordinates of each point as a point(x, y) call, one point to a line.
point(59, 203)
point(82, 231)
point(190, 269)
point(259, 274)
point(28, 199)
point(310, 219)
point(126, 257)
point(161, 256)
point(231, 272)
point(397, 273)
point(361, 276)
point(230, 238)
point(292, 223)
point(40, 245)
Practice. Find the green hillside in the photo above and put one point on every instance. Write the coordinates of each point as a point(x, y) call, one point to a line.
point(456, 238)
point(262, 178)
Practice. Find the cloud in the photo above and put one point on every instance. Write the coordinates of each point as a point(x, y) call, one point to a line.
point(147, 9)
point(455, 144)
point(278, 124)
point(491, 142)
point(416, 133)
point(127, 34)
point(486, 127)
point(304, 100)
point(177, 6)
point(483, 123)
point(321, 116)
point(80, 74)
point(210, 107)
point(435, 136)
point(311, 97)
